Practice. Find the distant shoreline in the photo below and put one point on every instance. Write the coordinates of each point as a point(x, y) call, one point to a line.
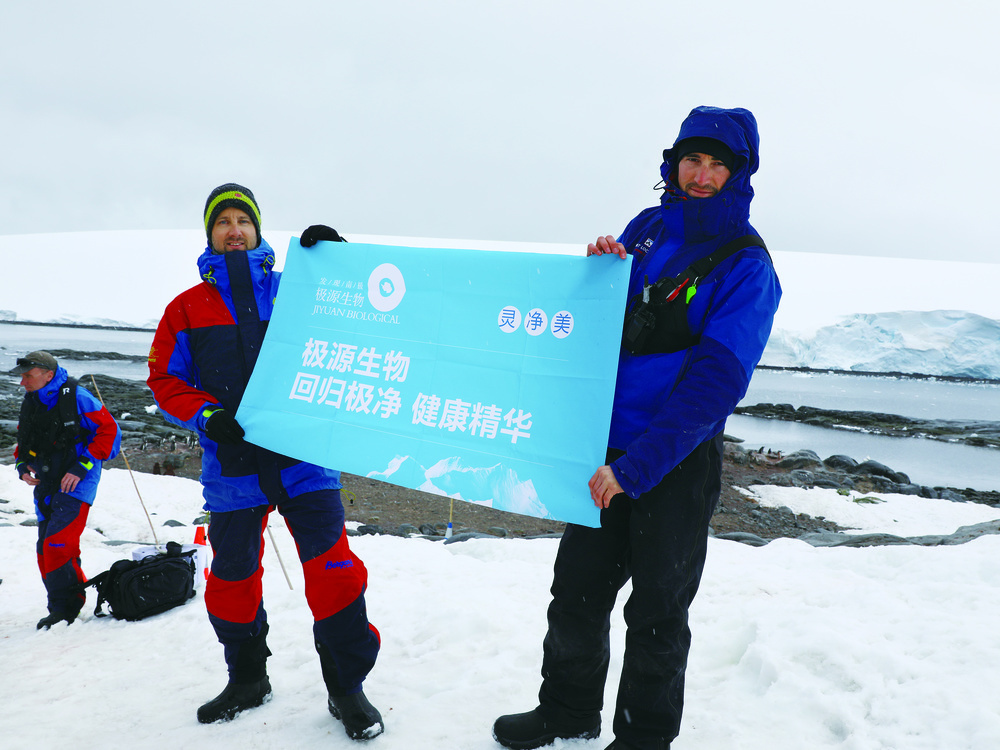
point(805, 370)
point(77, 325)
point(881, 374)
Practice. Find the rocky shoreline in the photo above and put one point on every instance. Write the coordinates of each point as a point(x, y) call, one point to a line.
point(978, 433)
point(153, 446)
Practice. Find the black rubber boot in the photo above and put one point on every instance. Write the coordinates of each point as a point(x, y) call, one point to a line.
point(362, 721)
point(51, 619)
point(248, 684)
point(620, 745)
point(534, 729)
point(234, 699)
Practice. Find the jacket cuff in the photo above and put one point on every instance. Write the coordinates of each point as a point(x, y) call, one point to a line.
point(80, 468)
point(204, 413)
point(627, 476)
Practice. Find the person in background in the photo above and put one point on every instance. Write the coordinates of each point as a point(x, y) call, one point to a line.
point(202, 356)
point(64, 435)
point(689, 348)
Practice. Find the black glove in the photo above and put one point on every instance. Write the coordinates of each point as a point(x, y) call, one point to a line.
point(222, 427)
point(319, 233)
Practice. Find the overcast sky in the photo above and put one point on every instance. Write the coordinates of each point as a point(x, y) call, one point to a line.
point(523, 120)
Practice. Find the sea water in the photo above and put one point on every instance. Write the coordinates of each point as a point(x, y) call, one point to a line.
point(907, 397)
point(926, 462)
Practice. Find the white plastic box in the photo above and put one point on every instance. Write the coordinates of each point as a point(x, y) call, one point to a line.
point(200, 558)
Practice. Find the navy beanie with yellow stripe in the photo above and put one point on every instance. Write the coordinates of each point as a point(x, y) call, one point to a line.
point(226, 196)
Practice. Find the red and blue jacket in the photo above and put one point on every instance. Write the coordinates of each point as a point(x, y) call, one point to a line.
point(668, 404)
point(203, 354)
point(99, 441)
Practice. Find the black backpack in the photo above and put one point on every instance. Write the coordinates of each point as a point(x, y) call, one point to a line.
point(135, 589)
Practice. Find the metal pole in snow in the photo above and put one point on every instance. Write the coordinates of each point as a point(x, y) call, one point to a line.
point(125, 458)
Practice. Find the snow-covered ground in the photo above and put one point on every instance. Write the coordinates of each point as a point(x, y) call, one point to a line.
point(794, 647)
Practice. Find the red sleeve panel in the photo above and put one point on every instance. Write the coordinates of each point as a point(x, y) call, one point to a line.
point(173, 376)
point(105, 435)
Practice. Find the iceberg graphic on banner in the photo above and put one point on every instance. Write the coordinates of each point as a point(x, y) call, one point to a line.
point(493, 486)
point(483, 376)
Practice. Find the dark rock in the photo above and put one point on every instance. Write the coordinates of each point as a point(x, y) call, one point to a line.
point(840, 462)
point(780, 480)
point(428, 529)
point(172, 522)
point(827, 539)
point(801, 477)
point(876, 484)
point(876, 469)
point(829, 482)
point(738, 456)
point(946, 493)
point(498, 531)
point(799, 460)
point(968, 432)
point(744, 537)
point(406, 529)
point(962, 535)
point(465, 536)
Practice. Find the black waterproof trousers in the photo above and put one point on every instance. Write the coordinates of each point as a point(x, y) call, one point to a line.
point(658, 540)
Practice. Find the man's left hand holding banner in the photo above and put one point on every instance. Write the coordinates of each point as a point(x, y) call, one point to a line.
point(483, 376)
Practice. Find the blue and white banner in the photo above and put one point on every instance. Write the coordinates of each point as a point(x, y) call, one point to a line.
point(483, 376)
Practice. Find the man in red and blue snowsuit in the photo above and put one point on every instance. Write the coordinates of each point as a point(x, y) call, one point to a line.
point(64, 435)
point(202, 356)
point(678, 381)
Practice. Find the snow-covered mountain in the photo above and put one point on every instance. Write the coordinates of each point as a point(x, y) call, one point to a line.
point(939, 342)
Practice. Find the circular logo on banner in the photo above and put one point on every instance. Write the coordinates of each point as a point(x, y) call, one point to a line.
point(509, 319)
point(562, 324)
point(536, 321)
point(386, 287)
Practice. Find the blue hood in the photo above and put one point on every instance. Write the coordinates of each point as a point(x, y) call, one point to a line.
point(727, 214)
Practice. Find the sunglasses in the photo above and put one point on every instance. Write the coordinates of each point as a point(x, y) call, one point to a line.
point(29, 363)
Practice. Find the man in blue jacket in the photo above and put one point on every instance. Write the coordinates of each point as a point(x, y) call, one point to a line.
point(689, 348)
point(64, 435)
point(201, 360)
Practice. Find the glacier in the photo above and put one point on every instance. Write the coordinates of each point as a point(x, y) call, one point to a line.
point(941, 343)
